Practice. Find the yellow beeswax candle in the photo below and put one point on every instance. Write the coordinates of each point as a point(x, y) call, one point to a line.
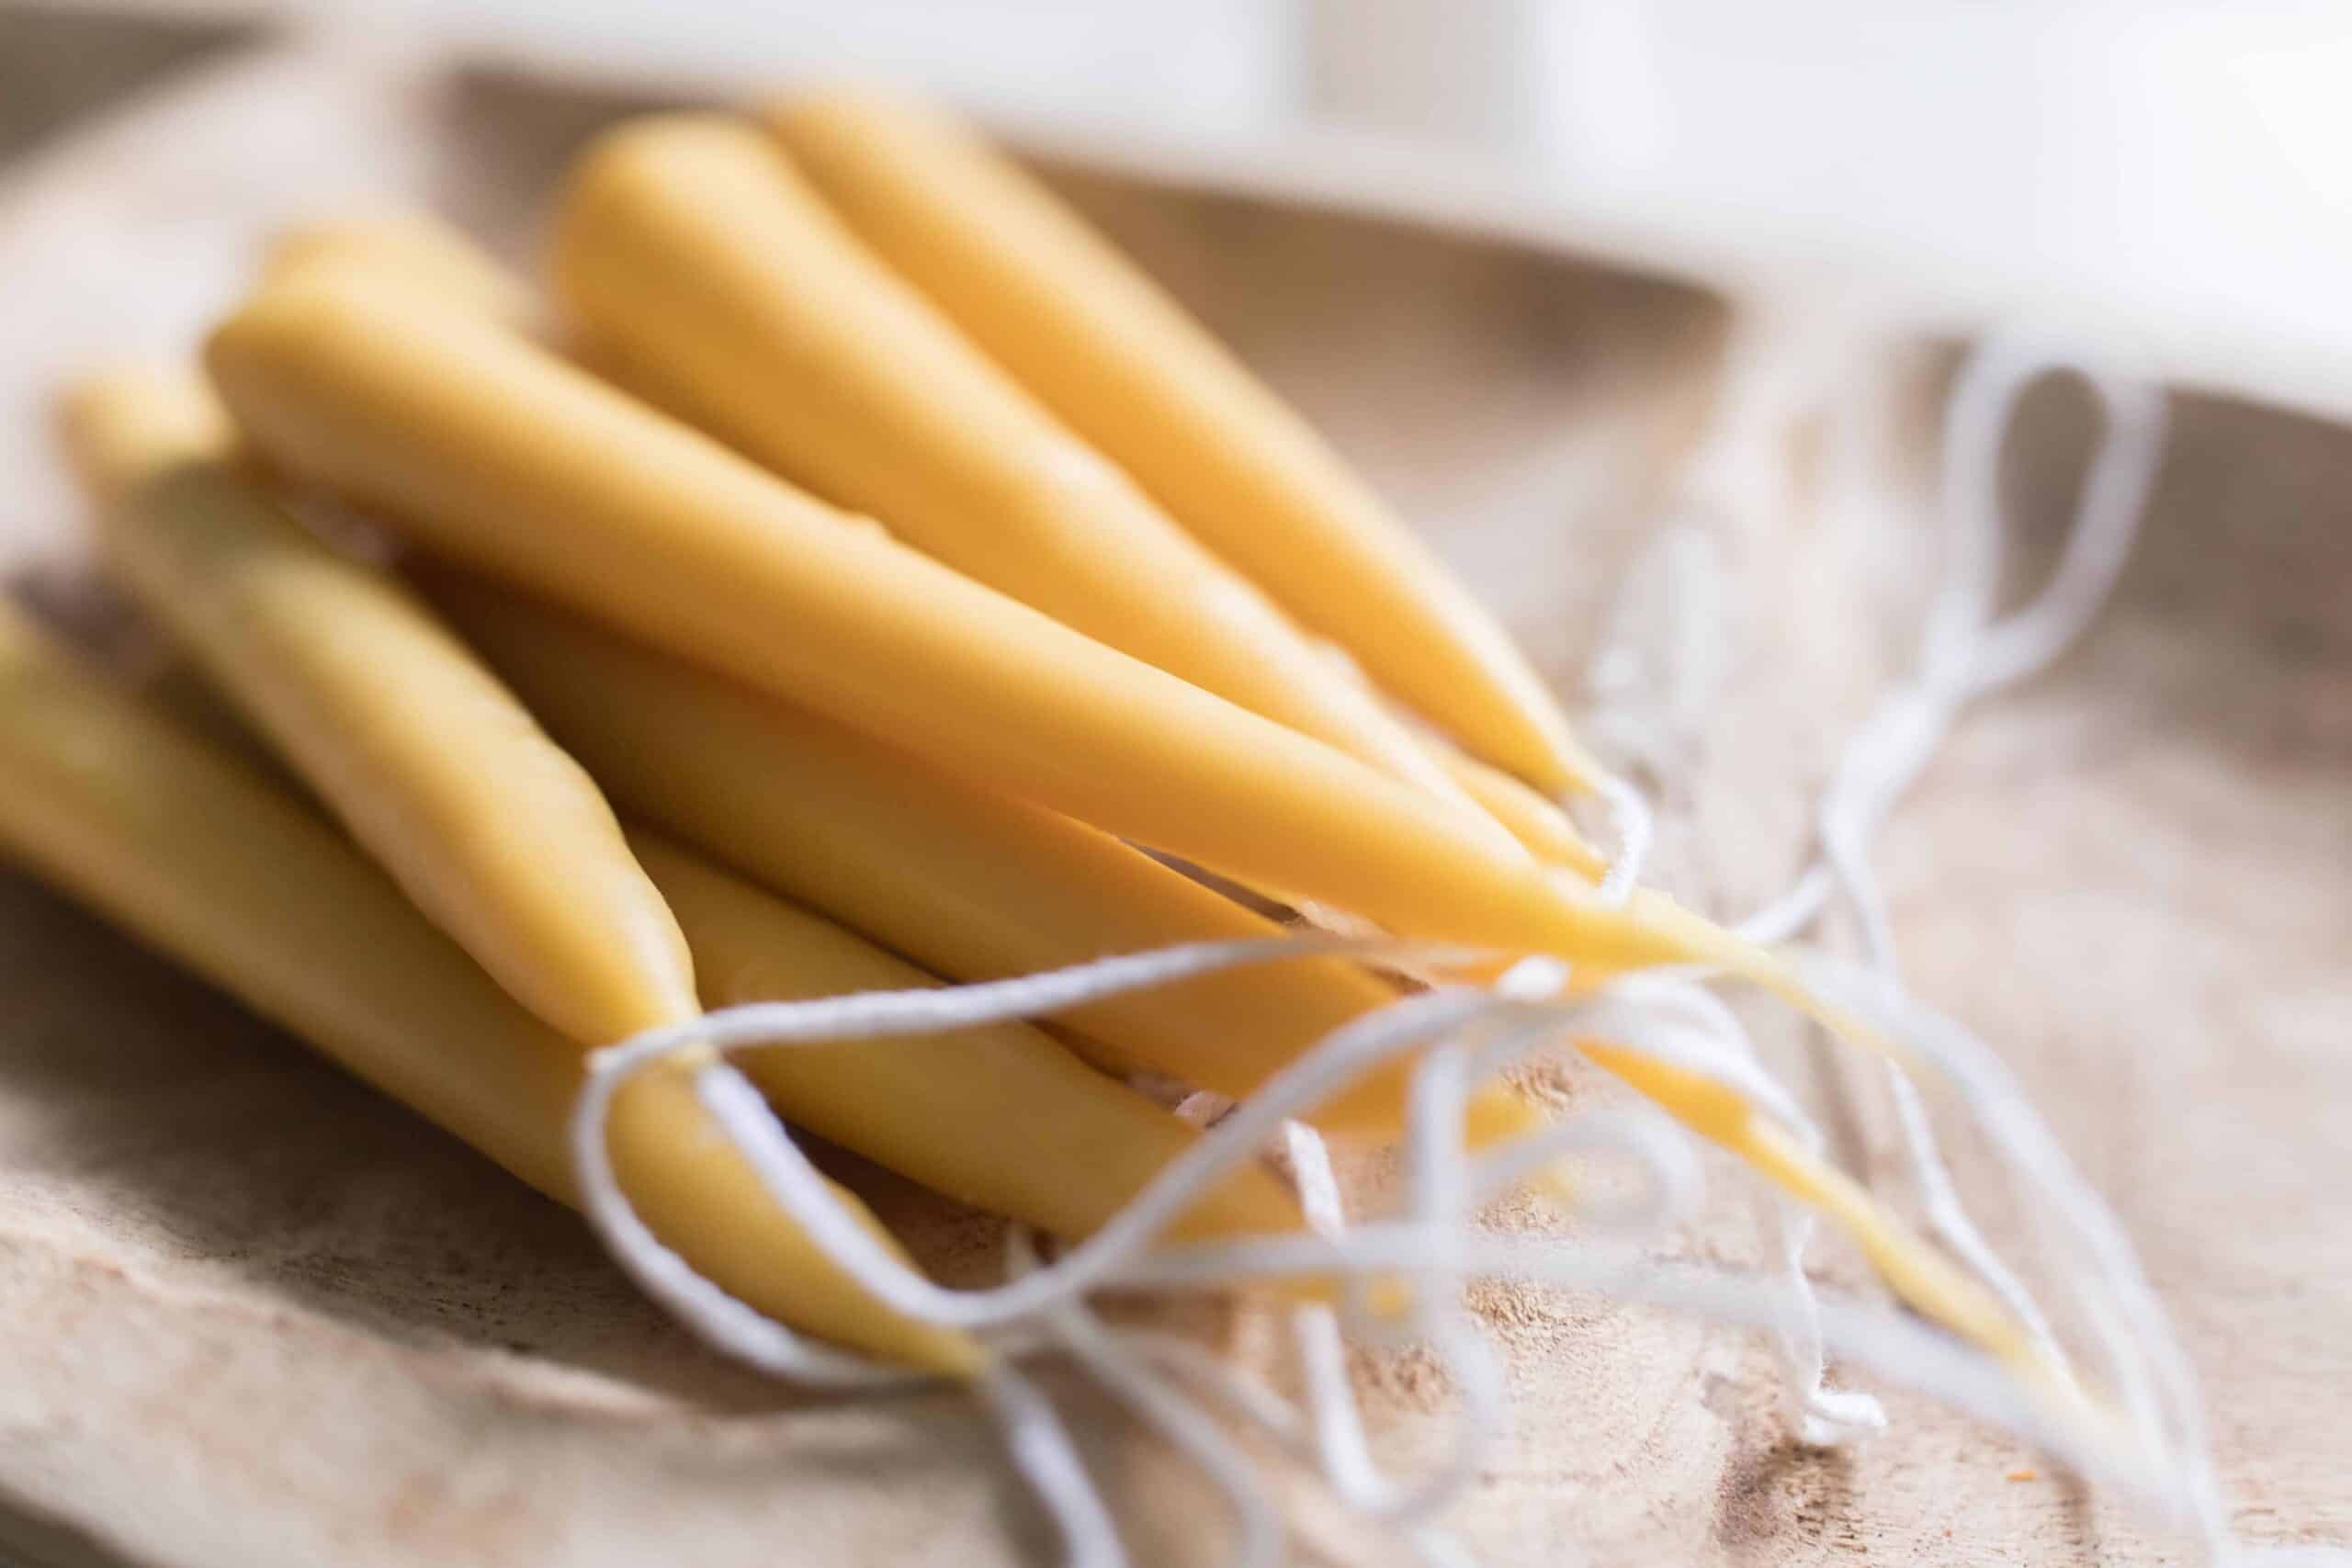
point(1524, 812)
point(334, 657)
point(695, 261)
point(1000, 1117)
point(1543, 827)
point(433, 764)
point(414, 249)
point(1916, 1272)
point(970, 883)
point(498, 454)
point(1128, 370)
point(201, 858)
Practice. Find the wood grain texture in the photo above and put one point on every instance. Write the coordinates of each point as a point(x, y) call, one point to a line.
point(252, 1314)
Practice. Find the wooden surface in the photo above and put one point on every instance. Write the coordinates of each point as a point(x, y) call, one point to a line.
point(250, 1314)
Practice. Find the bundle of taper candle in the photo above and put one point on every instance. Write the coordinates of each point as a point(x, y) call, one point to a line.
point(838, 591)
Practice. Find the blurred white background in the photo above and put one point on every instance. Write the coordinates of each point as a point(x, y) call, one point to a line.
point(2176, 172)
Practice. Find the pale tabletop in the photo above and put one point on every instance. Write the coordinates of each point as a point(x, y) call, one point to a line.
point(250, 1314)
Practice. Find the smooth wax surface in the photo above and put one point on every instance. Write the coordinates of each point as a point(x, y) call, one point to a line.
point(694, 258)
point(1100, 344)
point(1000, 1117)
point(971, 883)
point(433, 765)
point(495, 452)
point(201, 857)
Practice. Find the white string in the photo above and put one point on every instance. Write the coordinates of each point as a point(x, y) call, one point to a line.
point(1129, 1374)
point(2090, 1247)
point(1659, 671)
point(1041, 1450)
point(1117, 1254)
point(1414, 1248)
point(1965, 654)
point(1631, 827)
point(1429, 1250)
point(1961, 657)
point(1659, 668)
